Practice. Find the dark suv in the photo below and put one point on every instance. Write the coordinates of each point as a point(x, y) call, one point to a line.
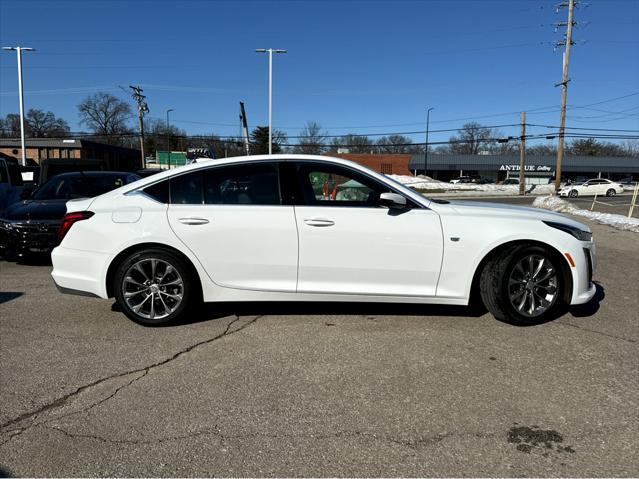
point(30, 227)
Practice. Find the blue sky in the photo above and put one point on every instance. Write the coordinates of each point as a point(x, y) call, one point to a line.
point(358, 66)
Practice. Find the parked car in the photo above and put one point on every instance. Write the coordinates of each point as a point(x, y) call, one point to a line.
point(466, 179)
point(11, 183)
point(597, 186)
point(486, 181)
point(30, 226)
point(313, 228)
point(144, 172)
point(510, 181)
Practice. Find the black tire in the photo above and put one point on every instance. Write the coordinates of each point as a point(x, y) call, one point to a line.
point(573, 193)
point(611, 192)
point(190, 289)
point(496, 292)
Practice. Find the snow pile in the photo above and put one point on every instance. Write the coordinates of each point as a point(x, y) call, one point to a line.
point(426, 183)
point(617, 221)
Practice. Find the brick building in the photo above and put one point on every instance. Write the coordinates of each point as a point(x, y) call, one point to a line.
point(388, 164)
point(38, 149)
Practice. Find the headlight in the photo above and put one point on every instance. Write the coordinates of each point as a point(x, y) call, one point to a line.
point(581, 235)
point(5, 225)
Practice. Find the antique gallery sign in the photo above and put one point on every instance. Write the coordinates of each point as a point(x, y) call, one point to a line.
point(533, 168)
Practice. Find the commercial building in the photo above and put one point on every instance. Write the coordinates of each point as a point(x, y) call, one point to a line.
point(538, 169)
point(38, 149)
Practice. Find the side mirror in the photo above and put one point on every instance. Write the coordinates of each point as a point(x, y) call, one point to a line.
point(392, 200)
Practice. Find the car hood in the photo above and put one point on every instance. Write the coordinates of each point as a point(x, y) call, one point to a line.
point(33, 210)
point(500, 210)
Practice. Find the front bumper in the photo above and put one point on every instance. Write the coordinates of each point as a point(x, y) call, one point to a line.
point(584, 289)
point(23, 238)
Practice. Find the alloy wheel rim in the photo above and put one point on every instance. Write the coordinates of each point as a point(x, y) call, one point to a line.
point(533, 285)
point(152, 288)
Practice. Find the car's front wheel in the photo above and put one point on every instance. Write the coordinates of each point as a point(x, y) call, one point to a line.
point(611, 192)
point(154, 287)
point(523, 285)
point(573, 193)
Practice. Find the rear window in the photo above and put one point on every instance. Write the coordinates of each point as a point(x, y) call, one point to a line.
point(159, 191)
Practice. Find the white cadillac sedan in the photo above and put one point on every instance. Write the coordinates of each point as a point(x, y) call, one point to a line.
point(596, 186)
point(313, 228)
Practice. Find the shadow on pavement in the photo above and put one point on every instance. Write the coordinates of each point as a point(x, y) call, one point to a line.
point(213, 311)
point(592, 306)
point(7, 296)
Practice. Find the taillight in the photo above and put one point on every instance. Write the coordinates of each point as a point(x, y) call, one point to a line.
point(68, 221)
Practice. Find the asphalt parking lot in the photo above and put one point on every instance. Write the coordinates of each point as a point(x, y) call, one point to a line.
point(320, 389)
point(618, 205)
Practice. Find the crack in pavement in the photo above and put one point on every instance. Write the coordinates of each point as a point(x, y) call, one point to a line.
point(61, 401)
point(413, 444)
point(612, 336)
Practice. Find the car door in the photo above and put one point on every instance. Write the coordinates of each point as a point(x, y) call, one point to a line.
point(232, 218)
point(349, 244)
point(602, 186)
point(591, 188)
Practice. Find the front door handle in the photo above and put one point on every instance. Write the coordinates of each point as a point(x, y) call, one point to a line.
point(319, 222)
point(193, 221)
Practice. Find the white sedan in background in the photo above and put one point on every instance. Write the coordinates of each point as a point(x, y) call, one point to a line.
point(313, 228)
point(597, 186)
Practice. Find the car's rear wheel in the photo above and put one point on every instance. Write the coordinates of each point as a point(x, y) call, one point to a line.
point(611, 192)
point(154, 287)
point(573, 193)
point(523, 285)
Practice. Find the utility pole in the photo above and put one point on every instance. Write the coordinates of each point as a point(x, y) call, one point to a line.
point(142, 109)
point(270, 93)
point(244, 125)
point(168, 137)
point(426, 147)
point(567, 42)
point(522, 155)
point(19, 51)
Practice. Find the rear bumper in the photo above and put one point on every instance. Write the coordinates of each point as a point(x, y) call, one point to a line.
point(80, 272)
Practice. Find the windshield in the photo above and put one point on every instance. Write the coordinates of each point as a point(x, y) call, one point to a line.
point(81, 186)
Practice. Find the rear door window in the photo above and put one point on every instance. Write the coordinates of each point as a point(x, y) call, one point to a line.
point(187, 189)
point(249, 184)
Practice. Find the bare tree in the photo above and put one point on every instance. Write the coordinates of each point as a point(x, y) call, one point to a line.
point(542, 150)
point(156, 136)
point(471, 139)
point(43, 124)
point(354, 143)
point(395, 144)
point(312, 140)
point(10, 126)
point(631, 147)
point(592, 147)
point(106, 115)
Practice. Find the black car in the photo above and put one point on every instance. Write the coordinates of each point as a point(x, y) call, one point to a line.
point(30, 226)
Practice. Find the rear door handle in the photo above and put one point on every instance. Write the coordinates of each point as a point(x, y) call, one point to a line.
point(193, 221)
point(319, 222)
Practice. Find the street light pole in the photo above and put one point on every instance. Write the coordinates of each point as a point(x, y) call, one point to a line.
point(19, 51)
point(426, 148)
point(168, 138)
point(270, 93)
